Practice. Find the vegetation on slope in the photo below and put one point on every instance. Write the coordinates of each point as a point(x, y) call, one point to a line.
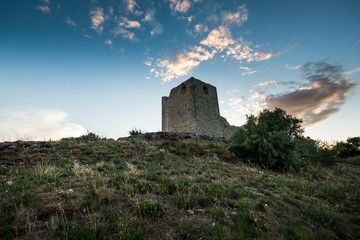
point(131, 188)
point(274, 140)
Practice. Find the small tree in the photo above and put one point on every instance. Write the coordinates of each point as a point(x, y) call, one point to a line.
point(350, 148)
point(269, 140)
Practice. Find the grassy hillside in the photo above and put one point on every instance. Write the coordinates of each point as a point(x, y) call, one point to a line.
point(91, 188)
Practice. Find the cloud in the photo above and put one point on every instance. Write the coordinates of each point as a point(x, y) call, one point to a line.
point(97, 19)
point(201, 28)
point(235, 101)
point(241, 50)
point(131, 5)
point(149, 16)
point(248, 71)
point(157, 28)
point(125, 34)
point(30, 124)
point(326, 89)
point(218, 39)
point(129, 24)
point(108, 42)
point(148, 63)
point(287, 66)
point(353, 71)
point(46, 2)
point(262, 84)
point(238, 17)
point(182, 64)
point(70, 22)
point(232, 91)
point(44, 9)
point(261, 56)
point(180, 5)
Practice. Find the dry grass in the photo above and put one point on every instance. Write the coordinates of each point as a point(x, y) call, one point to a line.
point(91, 188)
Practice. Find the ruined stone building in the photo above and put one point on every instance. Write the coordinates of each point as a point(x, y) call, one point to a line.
point(193, 107)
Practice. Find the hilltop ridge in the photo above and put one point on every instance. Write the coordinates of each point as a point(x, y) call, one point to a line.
point(136, 188)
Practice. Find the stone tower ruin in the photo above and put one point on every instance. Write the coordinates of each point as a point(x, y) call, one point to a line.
point(193, 107)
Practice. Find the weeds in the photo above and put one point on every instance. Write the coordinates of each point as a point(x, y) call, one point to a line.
point(131, 231)
point(187, 231)
point(93, 188)
point(294, 231)
point(149, 209)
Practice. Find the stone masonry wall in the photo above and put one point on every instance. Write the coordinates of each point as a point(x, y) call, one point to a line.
point(193, 107)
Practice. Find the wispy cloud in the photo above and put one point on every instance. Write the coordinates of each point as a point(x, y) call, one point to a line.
point(353, 71)
point(218, 39)
point(287, 66)
point(97, 19)
point(148, 62)
point(326, 89)
point(248, 71)
point(201, 28)
point(44, 9)
point(267, 83)
point(70, 22)
point(149, 16)
point(125, 34)
point(108, 42)
point(261, 56)
point(131, 5)
point(182, 63)
point(157, 28)
point(30, 124)
point(128, 23)
point(180, 5)
point(238, 17)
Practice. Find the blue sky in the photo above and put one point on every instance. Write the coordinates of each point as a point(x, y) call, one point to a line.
point(67, 67)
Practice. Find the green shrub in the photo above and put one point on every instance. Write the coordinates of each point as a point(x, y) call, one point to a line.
point(274, 140)
point(135, 131)
point(268, 140)
point(90, 137)
point(350, 148)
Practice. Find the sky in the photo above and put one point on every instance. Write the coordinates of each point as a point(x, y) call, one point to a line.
point(68, 67)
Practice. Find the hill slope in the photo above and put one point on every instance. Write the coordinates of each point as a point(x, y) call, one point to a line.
point(91, 188)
